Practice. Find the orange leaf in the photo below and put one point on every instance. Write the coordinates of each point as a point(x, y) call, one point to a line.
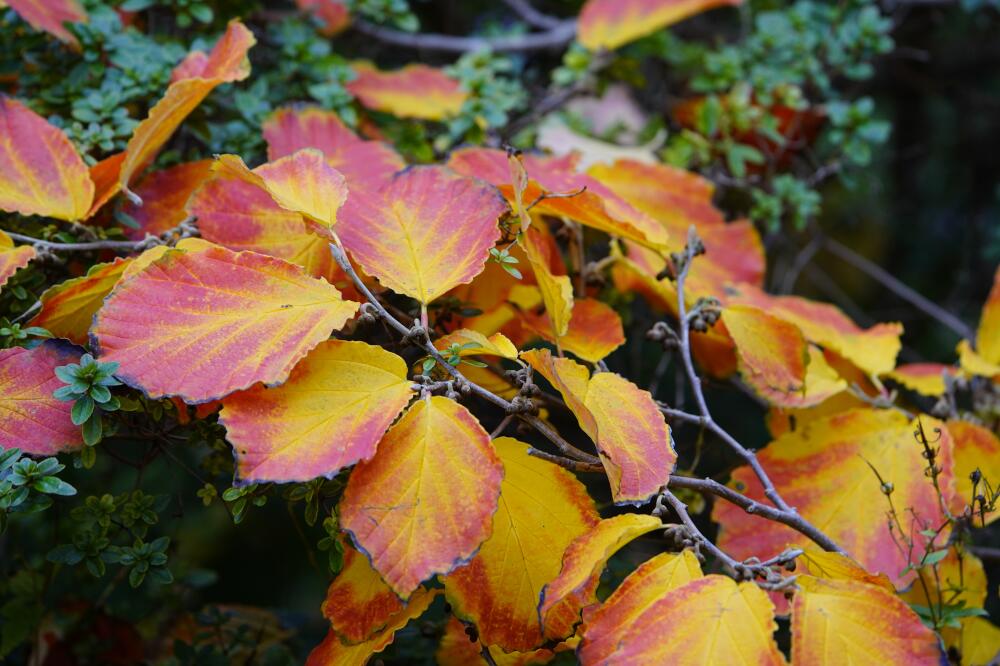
point(362, 162)
point(425, 232)
point(873, 350)
point(358, 603)
point(477, 344)
point(235, 211)
point(595, 330)
point(104, 175)
point(834, 566)
point(400, 507)
point(975, 447)
point(582, 563)
point(415, 91)
point(924, 378)
point(164, 195)
point(50, 15)
point(40, 170)
point(244, 317)
point(33, 420)
point(850, 622)
point(456, 649)
point(642, 588)
point(331, 413)
point(198, 77)
point(542, 509)
point(333, 652)
point(710, 620)
point(302, 182)
point(556, 290)
point(68, 308)
point(608, 24)
point(13, 258)
point(822, 469)
point(632, 438)
point(592, 204)
point(334, 16)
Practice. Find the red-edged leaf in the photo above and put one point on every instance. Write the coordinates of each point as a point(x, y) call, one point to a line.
point(608, 24)
point(40, 170)
point(425, 232)
point(242, 317)
point(331, 413)
point(333, 16)
point(358, 603)
point(164, 195)
point(13, 258)
point(415, 91)
point(68, 308)
point(50, 15)
point(400, 507)
point(32, 419)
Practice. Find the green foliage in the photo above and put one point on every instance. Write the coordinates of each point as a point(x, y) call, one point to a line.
point(27, 486)
point(88, 388)
point(493, 93)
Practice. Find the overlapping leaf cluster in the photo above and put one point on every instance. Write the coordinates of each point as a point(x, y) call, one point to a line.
point(351, 324)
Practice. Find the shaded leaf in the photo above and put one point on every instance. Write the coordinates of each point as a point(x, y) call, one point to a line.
point(68, 308)
point(164, 195)
point(358, 603)
point(595, 330)
point(975, 447)
point(13, 258)
point(50, 15)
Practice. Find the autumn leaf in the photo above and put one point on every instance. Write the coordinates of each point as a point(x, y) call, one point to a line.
point(363, 163)
point(846, 621)
point(591, 204)
point(542, 509)
point(358, 603)
point(68, 308)
point(835, 566)
point(40, 171)
point(415, 91)
point(245, 317)
point(104, 175)
point(608, 24)
point(333, 652)
point(164, 196)
point(978, 641)
point(582, 563)
point(331, 413)
point(822, 469)
point(474, 343)
point(556, 290)
point(710, 620)
point(334, 16)
point(924, 378)
point(425, 232)
point(456, 649)
point(50, 15)
point(975, 448)
point(872, 350)
point(984, 360)
point(604, 625)
point(399, 507)
point(13, 258)
point(236, 212)
point(632, 438)
point(594, 331)
point(33, 420)
point(226, 63)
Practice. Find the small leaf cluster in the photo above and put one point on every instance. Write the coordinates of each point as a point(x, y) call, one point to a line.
point(494, 92)
point(27, 486)
point(88, 388)
point(13, 334)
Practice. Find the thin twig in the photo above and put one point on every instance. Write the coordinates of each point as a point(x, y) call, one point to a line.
point(883, 277)
point(129, 246)
point(556, 37)
point(532, 16)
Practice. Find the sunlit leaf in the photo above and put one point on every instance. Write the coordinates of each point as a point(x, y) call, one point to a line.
point(68, 308)
point(104, 175)
point(924, 378)
point(164, 195)
point(13, 258)
point(984, 360)
point(331, 413)
point(632, 438)
point(710, 620)
point(850, 622)
point(425, 232)
point(608, 24)
point(50, 15)
point(33, 420)
point(226, 63)
point(400, 507)
point(415, 91)
point(822, 469)
point(245, 317)
point(594, 331)
point(834, 566)
point(333, 652)
point(361, 162)
point(542, 509)
point(606, 624)
point(40, 170)
point(582, 563)
point(556, 290)
point(474, 343)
